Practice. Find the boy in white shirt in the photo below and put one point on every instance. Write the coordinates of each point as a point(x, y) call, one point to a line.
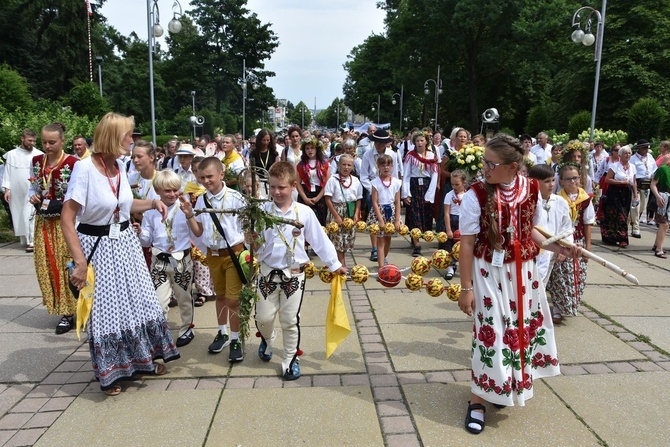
point(225, 275)
point(171, 263)
point(282, 258)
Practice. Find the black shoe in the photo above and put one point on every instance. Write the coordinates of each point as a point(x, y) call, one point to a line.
point(636, 235)
point(65, 325)
point(470, 420)
point(416, 252)
point(373, 255)
point(236, 354)
point(185, 339)
point(220, 342)
point(172, 303)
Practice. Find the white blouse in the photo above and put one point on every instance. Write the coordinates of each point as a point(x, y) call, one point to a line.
point(386, 194)
point(351, 194)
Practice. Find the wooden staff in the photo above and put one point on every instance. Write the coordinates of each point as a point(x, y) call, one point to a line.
point(293, 222)
point(587, 254)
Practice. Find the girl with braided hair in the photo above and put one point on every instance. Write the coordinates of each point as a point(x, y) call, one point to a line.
point(501, 287)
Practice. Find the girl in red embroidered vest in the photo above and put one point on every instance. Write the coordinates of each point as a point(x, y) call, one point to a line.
point(513, 341)
point(48, 184)
point(568, 278)
point(418, 189)
point(314, 172)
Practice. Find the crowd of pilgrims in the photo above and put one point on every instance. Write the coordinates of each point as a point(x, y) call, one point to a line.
point(62, 204)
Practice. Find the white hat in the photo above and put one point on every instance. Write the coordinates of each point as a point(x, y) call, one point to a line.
point(185, 149)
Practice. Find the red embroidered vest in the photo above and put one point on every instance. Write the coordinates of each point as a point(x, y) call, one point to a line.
point(529, 249)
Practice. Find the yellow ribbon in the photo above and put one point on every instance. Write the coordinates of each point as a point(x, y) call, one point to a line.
point(581, 197)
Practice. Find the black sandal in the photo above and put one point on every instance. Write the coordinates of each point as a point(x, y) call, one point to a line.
point(65, 324)
point(199, 301)
point(470, 420)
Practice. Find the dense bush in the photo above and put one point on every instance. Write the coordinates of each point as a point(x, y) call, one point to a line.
point(538, 119)
point(645, 118)
point(578, 122)
point(609, 137)
point(85, 99)
point(556, 137)
point(13, 89)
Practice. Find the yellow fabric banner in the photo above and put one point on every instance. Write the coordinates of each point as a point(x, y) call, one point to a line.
point(337, 322)
point(85, 301)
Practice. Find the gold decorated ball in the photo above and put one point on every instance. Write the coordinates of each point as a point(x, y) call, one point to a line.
point(415, 233)
point(389, 228)
point(442, 237)
point(454, 292)
point(435, 287)
point(310, 270)
point(325, 229)
point(359, 274)
point(348, 223)
point(414, 282)
point(333, 227)
point(326, 275)
point(420, 265)
point(428, 236)
point(374, 229)
point(361, 226)
point(404, 230)
point(441, 259)
point(456, 251)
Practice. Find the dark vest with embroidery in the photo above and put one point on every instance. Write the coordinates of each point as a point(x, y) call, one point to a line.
point(529, 249)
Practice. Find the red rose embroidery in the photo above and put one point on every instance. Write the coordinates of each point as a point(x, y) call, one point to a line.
point(487, 335)
point(484, 273)
point(512, 306)
point(530, 275)
point(488, 302)
point(536, 284)
point(511, 339)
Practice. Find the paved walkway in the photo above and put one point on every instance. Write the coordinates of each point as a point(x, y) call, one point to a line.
point(400, 379)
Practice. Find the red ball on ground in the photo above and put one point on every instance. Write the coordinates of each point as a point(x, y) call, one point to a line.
point(389, 275)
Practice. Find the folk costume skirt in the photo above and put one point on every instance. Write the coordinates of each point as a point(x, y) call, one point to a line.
point(567, 281)
point(616, 208)
point(51, 258)
point(419, 214)
point(320, 208)
point(343, 240)
point(127, 330)
point(496, 347)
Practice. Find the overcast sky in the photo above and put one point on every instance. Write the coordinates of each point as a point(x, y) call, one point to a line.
point(315, 37)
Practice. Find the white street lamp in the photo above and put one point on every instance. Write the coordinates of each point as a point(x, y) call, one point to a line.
point(587, 38)
point(155, 30)
point(377, 106)
point(438, 92)
point(393, 101)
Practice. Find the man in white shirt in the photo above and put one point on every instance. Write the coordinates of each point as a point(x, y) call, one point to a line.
point(16, 184)
point(382, 141)
point(542, 149)
point(645, 166)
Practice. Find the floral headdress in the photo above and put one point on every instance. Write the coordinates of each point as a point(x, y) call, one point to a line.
point(576, 145)
point(573, 164)
point(310, 140)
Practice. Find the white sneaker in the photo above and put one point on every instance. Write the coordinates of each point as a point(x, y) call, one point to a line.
point(643, 221)
point(450, 273)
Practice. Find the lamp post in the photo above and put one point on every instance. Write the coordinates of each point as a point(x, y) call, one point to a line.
point(377, 104)
point(579, 36)
point(438, 91)
point(393, 101)
point(246, 76)
point(155, 30)
point(302, 111)
point(98, 60)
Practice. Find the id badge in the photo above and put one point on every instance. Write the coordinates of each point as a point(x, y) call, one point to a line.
point(312, 187)
point(115, 231)
point(215, 244)
point(420, 181)
point(498, 258)
point(295, 269)
point(45, 204)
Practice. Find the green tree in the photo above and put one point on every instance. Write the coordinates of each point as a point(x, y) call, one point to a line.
point(85, 99)
point(296, 116)
point(645, 119)
point(329, 117)
point(13, 89)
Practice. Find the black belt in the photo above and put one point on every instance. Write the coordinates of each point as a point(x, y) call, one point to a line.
point(99, 230)
point(165, 257)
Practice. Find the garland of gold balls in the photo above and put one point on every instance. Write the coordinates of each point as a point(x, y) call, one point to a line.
point(420, 266)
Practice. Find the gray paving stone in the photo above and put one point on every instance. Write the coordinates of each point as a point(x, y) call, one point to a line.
point(397, 424)
point(404, 378)
point(664, 365)
point(71, 389)
point(57, 404)
point(387, 393)
point(572, 370)
point(376, 357)
point(373, 347)
point(5, 435)
point(301, 382)
point(24, 438)
point(380, 368)
point(597, 368)
point(355, 380)
point(183, 384)
point(409, 440)
point(44, 391)
point(43, 419)
point(268, 382)
point(240, 382)
point(371, 338)
point(29, 405)
point(392, 408)
point(18, 390)
point(327, 380)
point(14, 420)
point(211, 384)
point(646, 366)
point(369, 330)
point(440, 377)
point(380, 380)
point(462, 376)
point(621, 367)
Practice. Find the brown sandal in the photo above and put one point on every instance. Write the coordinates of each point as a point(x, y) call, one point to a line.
point(160, 369)
point(113, 391)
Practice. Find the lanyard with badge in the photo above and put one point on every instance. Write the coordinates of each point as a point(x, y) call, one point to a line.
point(46, 181)
point(169, 225)
point(115, 227)
point(289, 256)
